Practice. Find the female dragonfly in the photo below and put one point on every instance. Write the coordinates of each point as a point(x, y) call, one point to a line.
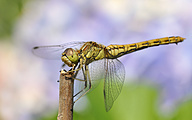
point(95, 62)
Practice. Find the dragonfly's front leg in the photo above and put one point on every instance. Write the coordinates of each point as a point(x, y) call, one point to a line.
point(76, 70)
point(85, 80)
point(86, 73)
point(82, 61)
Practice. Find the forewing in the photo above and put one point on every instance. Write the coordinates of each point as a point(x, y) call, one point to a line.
point(55, 51)
point(114, 79)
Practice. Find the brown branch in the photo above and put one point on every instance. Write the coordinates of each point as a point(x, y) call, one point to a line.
point(65, 96)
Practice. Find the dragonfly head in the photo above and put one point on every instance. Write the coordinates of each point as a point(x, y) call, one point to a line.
point(70, 57)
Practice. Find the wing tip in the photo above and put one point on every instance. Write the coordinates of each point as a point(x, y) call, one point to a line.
point(35, 47)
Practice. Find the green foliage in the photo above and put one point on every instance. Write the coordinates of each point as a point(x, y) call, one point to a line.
point(9, 11)
point(49, 116)
point(184, 112)
point(136, 102)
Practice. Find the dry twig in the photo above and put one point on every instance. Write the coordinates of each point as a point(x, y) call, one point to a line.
point(65, 96)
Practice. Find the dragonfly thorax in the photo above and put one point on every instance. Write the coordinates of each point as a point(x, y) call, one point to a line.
point(70, 57)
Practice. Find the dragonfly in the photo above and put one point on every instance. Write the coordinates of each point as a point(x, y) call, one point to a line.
point(93, 62)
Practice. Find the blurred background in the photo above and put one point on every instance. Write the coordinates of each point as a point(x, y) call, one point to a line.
point(158, 84)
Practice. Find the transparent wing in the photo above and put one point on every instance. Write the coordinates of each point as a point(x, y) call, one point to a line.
point(96, 71)
point(55, 51)
point(114, 79)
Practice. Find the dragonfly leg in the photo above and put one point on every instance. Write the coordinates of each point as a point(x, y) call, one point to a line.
point(85, 80)
point(74, 77)
point(80, 65)
point(80, 91)
point(85, 75)
point(82, 62)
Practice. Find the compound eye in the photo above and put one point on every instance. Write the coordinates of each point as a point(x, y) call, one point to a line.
point(72, 55)
point(69, 51)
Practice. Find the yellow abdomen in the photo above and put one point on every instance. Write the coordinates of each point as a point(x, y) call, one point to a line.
point(119, 50)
